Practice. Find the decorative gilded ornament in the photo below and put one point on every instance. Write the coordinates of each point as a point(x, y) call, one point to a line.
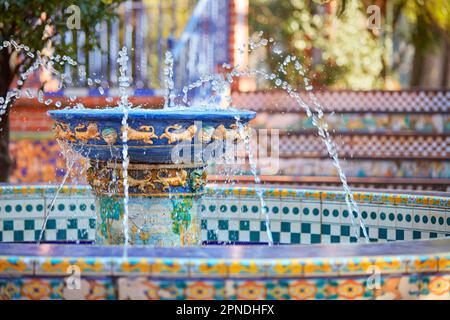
point(198, 179)
point(63, 132)
point(179, 180)
point(173, 137)
point(91, 132)
point(109, 135)
point(144, 134)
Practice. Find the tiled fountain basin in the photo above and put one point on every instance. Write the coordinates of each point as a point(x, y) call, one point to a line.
point(417, 269)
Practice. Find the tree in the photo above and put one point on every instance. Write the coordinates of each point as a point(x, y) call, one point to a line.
point(307, 27)
point(40, 24)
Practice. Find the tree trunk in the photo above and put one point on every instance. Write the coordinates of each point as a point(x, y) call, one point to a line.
point(5, 81)
point(5, 160)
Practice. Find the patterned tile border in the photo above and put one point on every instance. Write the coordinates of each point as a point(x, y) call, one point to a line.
point(226, 268)
point(389, 287)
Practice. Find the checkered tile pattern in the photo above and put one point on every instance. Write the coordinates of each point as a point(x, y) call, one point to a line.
point(363, 146)
point(377, 101)
point(74, 229)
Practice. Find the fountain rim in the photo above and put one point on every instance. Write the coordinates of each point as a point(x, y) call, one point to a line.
point(318, 260)
point(192, 113)
point(281, 261)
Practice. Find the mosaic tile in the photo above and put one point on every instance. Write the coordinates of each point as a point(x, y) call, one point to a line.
point(435, 287)
point(244, 268)
point(395, 287)
point(143, 288)
point(208, 268)
point(16, 265)
point(319, 267)
point(131, 266)
point(170, 267)
point(284, 268)
point(348, 289)
point(422, 264)
point(64, 266)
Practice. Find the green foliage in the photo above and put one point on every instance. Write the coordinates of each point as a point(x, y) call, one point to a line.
point(351, 55)
point(39, 23)
point(345, 52)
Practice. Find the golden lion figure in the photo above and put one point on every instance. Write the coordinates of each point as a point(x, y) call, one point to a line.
point(173, 137)
point(232, 134)
point(146, 135)
point(142, 185)
point(91, 132)
point(63, 132)
point(179, 180)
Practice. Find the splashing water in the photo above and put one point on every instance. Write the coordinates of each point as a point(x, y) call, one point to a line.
point(317, 118)
point(259, 190)
point(125, 105)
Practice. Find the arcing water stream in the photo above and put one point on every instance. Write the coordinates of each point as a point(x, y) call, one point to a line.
point(218, 85)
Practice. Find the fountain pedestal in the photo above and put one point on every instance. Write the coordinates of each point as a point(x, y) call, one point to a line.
point(166, 171)
point(164, 203)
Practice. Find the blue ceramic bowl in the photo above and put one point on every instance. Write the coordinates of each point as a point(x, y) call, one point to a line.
point(152, 134)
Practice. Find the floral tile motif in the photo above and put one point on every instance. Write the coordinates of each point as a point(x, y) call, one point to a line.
point(208, 268)
point(435, 287)
point(355, 266)
point(284, 268)
point(140, 266)
point(305, 289)
point(55, 288)
point(91, 289)
point(320, 267)
point(390, 264)
point(243, 268)
point(423, 264)
point(251, 290)
point(444, 262)
point(397, 287)
point(348, 289)
point(170, 267)
point(63, 266)
point(144, 288)
point(16, 265)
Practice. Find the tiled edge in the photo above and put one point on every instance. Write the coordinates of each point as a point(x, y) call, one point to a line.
point(226, 268)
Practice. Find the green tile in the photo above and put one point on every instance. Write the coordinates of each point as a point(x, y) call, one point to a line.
point(326, 229)
point(29, 224)
point(211, 235)
point(382, 233)
point(285, 226)
point(61, 235)
point(399, 235)
point(8, 225)
point(244, 225)
point(345, 231)
point(315, 238)
point(306, 228)
point(51, 224)
point(92, 223)
point(233, 235)
point(18, 235)
point(295, 238)
point(417, 235)
point(335, 239)
point(72, 224)
point(223, 224)
point(82, 234)
point(204, 224)
point(254, 236)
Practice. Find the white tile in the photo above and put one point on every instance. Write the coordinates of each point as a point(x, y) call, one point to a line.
point(404, 212)
point(312, 208)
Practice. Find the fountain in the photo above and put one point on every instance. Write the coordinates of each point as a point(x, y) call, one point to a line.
point(147, 179)
point(166, 170)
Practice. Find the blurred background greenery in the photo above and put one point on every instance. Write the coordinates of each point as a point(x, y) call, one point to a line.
point(344, 46)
